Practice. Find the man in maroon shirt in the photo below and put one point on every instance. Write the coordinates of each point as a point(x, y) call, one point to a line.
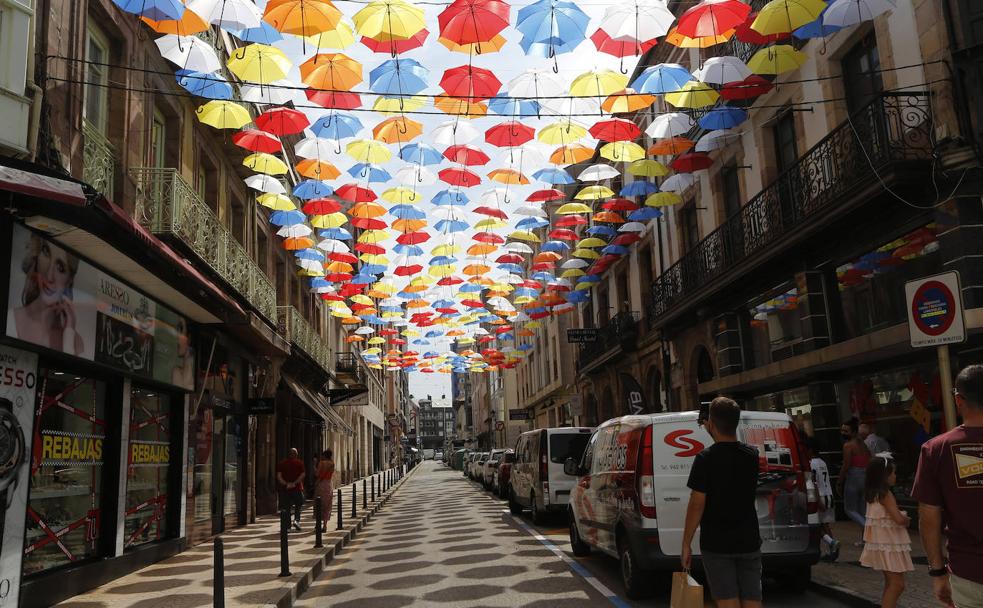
point(949, 490)
point(290, 478)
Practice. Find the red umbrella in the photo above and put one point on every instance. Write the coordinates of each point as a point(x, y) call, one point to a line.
point(466, 155)
point(370, 248)
point(321, 206)
point(356, 194)
point(470, 83)
point(457, 177)
point(509, 134)
point(337, 100)
point(563, 234)
point(282, 121)
point(388, 331)
point(492, 212)
point(451, 280)
point(627, 239)
point(615, 129)
point(621, 47)
point(350, 289)
point(473, 303)
point(368, 223)
point(571, 220)
point(749, 88)
point(489, 237)
point(405, 271)
point(473, 21)
point(690, 162)
point(550, 194)
point(333, 297)
point(343, 256)
point(619, 204)
point(339, 277)
point(543, 266)
point(398, 341)
point(532, 284)
point(413, 238)
point(395, 46)
point(257, 141)
point(712, 18)
point(509, 258)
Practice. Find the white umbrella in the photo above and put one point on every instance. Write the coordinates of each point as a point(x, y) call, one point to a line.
point(278, 92)
point(414, 174)
point(454, 132)
point(227, 14)
point(531, 211)
point(364, 330)
point(310, 265)
point(189, 53)
point(632, 227)
point(535, 83)
point(294, 231)
point(316, 147)
point(517, 156)
point(641, 20)
point(572, 106)
point(678, 183)
point(516, 247)
point(598, 172)
point(513, 279)
point(333, 246)
point(721, 70)
point(717, 140)
point(574, 263)
point(844, 13)
point(494, 196)
point(265, 183)
point(670, 124)
point(449, 213)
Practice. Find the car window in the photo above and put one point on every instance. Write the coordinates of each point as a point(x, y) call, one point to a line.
point(567, 445)
point(589, 453)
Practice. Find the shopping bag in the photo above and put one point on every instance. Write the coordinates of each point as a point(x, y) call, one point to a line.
point(686, 592)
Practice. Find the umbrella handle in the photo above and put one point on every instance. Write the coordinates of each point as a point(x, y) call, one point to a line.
point(337, 150)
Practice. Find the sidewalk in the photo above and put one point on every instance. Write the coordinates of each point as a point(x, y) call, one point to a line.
point(252, 565)
point(856, 585)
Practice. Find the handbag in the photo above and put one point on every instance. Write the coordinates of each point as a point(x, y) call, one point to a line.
point(686, 592)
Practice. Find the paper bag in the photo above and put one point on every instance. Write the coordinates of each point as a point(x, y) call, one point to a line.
point(686, 592)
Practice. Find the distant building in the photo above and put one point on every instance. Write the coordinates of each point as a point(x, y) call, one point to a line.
point(437, 425)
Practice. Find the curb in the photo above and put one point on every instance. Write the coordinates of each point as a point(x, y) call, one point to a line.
point(842, 594)
point(316, 567)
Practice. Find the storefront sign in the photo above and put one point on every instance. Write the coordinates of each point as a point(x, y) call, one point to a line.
point(581, 336)
point(935, 310)
point(18, 383)
point(59, 301)
point(359, 400)
point(144, 452)
point(520, 415)
point(261, 407)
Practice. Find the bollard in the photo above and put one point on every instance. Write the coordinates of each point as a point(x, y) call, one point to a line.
point(354, 500)
point(318, 523)
point(340, 523)
point(218, 576)
point(284, 527)
point(365, 498)
point(373, 488)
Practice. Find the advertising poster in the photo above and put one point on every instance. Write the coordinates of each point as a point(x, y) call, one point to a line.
point(18, 383)
point(59, 301)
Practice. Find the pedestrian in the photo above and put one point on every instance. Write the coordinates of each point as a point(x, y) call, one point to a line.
point(887, 546)
point(827, 512)
point(325, 487)
point(949, 490)
point(723, 483)
point(851, 481)
point(290, 476)
point(875, 443)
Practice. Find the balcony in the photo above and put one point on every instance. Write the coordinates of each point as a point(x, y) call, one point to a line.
point(295, 328)
point(98, 160)
point(894, 128)
point(620, 332)
point(347, 368)
point(171, 207)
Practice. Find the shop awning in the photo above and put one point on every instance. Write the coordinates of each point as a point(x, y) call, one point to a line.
point(317, 403)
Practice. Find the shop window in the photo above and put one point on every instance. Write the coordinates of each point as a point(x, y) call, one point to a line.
point(776, 329)
point(861, 73)
point(872, 286)
point(64, 508)
point(202, 483)
point(147, 467)
point(233, 450)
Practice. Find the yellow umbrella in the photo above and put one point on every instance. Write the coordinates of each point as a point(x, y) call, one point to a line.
point(368, 151)
point(784, 16)
point(508, 176)
point(573, 209)
point(693, 94)
point(774, 60)
point(456, 106)
point(259, 63)
point(563, 133)
point(331, 220)
point(402, 195)
point(571, 154)
point(627, 100)
point(397, 129)
point(685, 42)
point(389, 20)
point(265, 163)
point(374, 258)
point(338, 267)
point(376, 340)
point(591, 243)
point(223, 115)
point(490, 223)
point(477, 48)
point(663, 199)
point(598, 83)
point(525, 235)
point(398, 105)
point(622, 151)
point(594, 193)
point(331, 72)
point(572, 273)
point(373, 236)
point(340, 37)
point(276, 202)
point(441, 270)
point(446, 249)
point(647, 168)
point(302, 17)
point(587, 254)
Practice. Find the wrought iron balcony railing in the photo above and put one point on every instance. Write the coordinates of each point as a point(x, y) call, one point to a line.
point(895, 127)
point(347, 364)
point(621, 331)
point(295, 328)
point(171, 206)
point(98, 160)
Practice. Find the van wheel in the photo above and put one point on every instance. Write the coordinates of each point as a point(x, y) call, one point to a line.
point(538, 517)
point(514, 507)
point(637, 582)
point(797, 580)
point(579, 547)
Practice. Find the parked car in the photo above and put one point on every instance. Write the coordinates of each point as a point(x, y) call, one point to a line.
point(438, 455)
point(501, 486)
point(537, 480)
point(428, 454)
point(477, 464)
point(490, 469)
point(469, 463)
point(630, 498)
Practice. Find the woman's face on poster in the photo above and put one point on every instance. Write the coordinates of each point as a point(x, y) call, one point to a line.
point(54, 273)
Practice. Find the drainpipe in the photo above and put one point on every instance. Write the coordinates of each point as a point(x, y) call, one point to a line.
point(37, 93)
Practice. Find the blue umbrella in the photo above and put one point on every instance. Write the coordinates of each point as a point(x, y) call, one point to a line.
point(156, 10)
point(336, 125)
point(407, 212)
point(532, 223)
point(339, 234)
point(508, 106)
point(309, 254)
point(451, 226)
point(369, 172)
point(408, 249)
point(604, 230)
point(470, 288)
point(398, 77)
point(643, 214)
point(543, 276)
point(433, 333)
point(527, 291)
point(264, 34)
point(555, 246)
point(615, 250)
point(639, 188)
point(287, 218)
point(312, 188)
point(450, 198)
point(511, 268)
point(373, 268)
point(551, 27)
point(661, 79)
point(439, 260)
point(590, 278)
point(201, 84)
point(816, 29)
point(578, 296)
point(722, 118)
point(420, 154)
point(553, 176)
point(506, 337)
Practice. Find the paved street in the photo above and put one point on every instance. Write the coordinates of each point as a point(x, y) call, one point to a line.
point(443, 541)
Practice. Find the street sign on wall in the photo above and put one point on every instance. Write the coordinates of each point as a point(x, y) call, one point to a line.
point(935, 310)
point(519, 415)
point(582, 336)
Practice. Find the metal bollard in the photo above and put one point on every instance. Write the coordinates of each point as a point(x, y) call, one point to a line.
point(373, 488)
point(354, 500)
point(365, 497)
point(284, 556)
point(218, 576)
point(318, 523)
point(340, 522)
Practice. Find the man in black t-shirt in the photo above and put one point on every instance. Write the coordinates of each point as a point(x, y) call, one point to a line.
point(723, 482)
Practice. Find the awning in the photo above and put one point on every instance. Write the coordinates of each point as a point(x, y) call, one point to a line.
point(317, 403)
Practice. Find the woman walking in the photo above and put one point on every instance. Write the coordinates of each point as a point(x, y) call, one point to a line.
point(856, 456)
point(325, 489)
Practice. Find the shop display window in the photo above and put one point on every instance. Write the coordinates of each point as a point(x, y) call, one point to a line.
point(775, 324)
point(233, 447)
point(202, 488)
point(147, 467)
point(63, 511)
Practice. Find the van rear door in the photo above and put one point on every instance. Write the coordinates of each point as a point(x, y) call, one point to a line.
point(676, 440)
point(563, 444)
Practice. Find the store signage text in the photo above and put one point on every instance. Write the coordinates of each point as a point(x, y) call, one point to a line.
point(77, 449)
point(935, 310)
point(149, 453)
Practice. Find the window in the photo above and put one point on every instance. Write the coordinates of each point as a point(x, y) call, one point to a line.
point(690, 227)
point(732, 191)
point(861, 73)
point(567, 445)
point(96, 95)
point(786, 150)
point(775, 324)
point(158, 141)
point(147, 467)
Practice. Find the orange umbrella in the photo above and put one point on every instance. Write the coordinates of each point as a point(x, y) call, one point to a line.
point(570, 154)
point(351, 339)
point(317, 169)
point(397, 129)
point(609, 217)
point(508, 176)
point(685, 42)
point(189, 23)
point(672, 145)
point(460, 107)
point(302, 17)
point(627, 100)
point(404, 225)
point(331, 72)
point(491, 46)
point(367, 210)
point(296, 244)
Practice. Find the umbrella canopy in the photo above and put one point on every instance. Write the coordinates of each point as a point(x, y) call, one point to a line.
point(470, 82)
point(785, 16)
point(844, 13)
point(598, 83)
point(388, 20)
point(778, 59)
point(640, 20)
point(466, 22)
point(509, 134)
point(157, 10)
point(551, 27)
point(712, 18)
point(257, 141)
point(721, 70)
point(282, 121)
point(210, 86)
point(627, 100)
point(223, 115)
point(331, 71)
point(259, 63)
point(615, 129)
point(693, 95)
point(302, 17)
point(466, 155)
point(397, 129)
point(335, 125)
point(399, 77)
point(189, 53)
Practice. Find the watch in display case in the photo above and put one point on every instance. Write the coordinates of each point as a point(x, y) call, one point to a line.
point(11, 451)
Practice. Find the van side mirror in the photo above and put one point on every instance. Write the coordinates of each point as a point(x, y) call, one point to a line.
point(571, 467)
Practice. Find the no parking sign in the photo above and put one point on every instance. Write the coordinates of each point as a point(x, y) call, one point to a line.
point(935, 310)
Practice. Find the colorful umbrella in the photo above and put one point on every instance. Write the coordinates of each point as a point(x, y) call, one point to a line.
point(399, 77)
point(387, 20)
point(257, 141)
point(157, 10)
point(467, 22)
point(693, 95)
point(471, 83)
point(784, 16)
point(615, 129)
point(509, 134)
point(627, 101)
point(259, 63)
point(397, 130)
point(712, 18)
point(302, 17)
point(189, 53)
point(551, 27)
point(331, 71)
point(282, 121)
point(223, 115)
point(778, 59)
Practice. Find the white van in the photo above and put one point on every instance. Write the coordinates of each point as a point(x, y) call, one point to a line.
point(631, 496)
point(537, 478)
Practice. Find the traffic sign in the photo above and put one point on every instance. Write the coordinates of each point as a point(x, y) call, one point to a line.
point(499, 425)
point(935, 310)
point(582, 336)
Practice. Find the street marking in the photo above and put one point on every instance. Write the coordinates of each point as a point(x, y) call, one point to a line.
point(576, 567)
